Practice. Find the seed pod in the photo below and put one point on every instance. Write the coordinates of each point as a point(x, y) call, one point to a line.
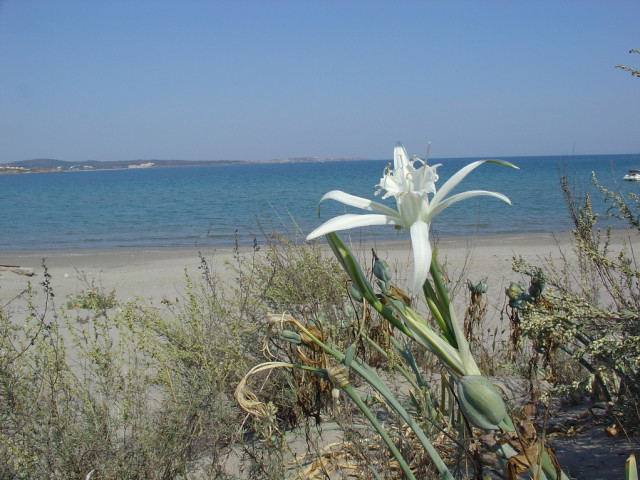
point(480, 402)
point(381, 270)
point(348, 311)
point(518, 304)
point(355, 293)
point(480, 287)
point(515, 290)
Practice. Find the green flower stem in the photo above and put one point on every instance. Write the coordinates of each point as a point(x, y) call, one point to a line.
point(470, 365)
point(442, 298)
point(348, 389)
point(436, 309)
point(437, 279)
point(439, 318)
point(425, 336)
point(416, 382)
point(400, 370)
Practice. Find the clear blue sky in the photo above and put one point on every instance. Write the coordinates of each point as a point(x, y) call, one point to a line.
point(250, 80)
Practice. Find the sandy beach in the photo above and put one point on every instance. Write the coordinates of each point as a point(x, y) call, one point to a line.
point(153, 274)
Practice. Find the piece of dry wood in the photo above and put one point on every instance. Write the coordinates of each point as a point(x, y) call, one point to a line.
point(19, 270)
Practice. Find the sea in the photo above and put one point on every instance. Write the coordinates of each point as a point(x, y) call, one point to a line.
point(249, 204)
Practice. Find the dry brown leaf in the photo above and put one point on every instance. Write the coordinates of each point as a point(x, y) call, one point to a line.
point(396, 293)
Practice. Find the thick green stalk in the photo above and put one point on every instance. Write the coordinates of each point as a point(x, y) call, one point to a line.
point(428, 338)
point(437, 279)
point(439, 318)
point(439, 283)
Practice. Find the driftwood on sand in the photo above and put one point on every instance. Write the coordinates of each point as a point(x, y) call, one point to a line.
point(17, 269)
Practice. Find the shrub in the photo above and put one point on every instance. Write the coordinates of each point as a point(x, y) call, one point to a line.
point(590, 313)
point(125, 390)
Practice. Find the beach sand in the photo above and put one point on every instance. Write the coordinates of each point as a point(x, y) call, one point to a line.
point(154, 274)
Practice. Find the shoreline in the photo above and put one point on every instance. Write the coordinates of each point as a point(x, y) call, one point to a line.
point(535, 238)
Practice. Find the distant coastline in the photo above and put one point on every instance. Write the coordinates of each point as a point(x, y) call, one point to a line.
point(48, 165)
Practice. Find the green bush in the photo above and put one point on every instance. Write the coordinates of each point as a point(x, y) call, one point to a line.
point(125, 390)
point(587, 320)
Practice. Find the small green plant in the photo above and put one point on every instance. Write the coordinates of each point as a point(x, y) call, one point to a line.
point(92, 300)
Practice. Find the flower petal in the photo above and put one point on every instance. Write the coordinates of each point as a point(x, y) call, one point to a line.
point(358, 202)
point(459, 176)
point(349, 220)
point(400, 157)
point(436, 208)
point(421, 253)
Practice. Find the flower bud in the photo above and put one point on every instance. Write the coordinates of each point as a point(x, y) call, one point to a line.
point(381, 270)
point(481, 402)
point(515, 290)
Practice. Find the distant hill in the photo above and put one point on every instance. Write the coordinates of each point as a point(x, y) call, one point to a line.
point(64, 165)
point(42, 163)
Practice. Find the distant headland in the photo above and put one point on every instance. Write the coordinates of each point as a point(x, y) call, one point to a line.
point(43, 165)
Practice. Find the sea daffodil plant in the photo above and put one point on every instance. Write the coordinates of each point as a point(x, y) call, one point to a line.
point(411, 183)
point(410, 186)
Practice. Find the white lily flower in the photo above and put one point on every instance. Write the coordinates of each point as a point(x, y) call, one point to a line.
point(410, 186)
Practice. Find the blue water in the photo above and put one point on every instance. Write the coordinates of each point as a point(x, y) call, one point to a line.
point(212, 205)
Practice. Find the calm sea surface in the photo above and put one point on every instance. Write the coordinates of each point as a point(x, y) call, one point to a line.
point(211, 205)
